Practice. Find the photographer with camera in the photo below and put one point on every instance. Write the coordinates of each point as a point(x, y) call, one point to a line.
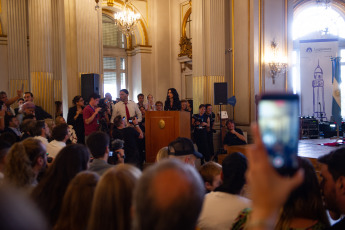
point(201, 122)
point(117, 153)
point(98, 144)
point(130, 135)
point(91, 115)
point(104, 115)
point(210, 131)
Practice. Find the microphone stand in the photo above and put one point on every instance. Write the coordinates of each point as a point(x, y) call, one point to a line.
point(320, 113)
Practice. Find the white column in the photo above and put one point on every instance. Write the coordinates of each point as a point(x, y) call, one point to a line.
point(18, 70)
point(208, 40)
point(89, 39)
point(41, 55)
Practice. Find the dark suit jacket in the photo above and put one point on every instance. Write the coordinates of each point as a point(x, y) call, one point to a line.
point(40, 114)
point(8, 130)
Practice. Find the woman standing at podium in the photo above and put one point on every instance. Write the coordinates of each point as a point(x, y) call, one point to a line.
point(172, 102)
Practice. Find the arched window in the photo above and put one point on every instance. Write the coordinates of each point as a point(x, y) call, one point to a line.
point(114, 57)
point(315, 23)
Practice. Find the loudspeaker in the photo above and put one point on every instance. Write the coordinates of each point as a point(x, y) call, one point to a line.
point(89, 85)
point(221, 93)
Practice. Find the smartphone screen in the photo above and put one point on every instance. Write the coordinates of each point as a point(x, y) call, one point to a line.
point(110, 153)
point(279, 127)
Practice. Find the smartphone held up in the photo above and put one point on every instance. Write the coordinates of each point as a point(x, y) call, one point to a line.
point(278, 120)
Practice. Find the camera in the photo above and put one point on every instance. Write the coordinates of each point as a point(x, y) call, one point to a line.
point(102, 104)
point(130, 120)
point(197, 118)
point(115, 146)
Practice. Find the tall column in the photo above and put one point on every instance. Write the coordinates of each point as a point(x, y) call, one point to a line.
point(17, 46)
point(56, 51)
point(89, 39)
point(80, 36)
point(41, 55)
point(208, 33)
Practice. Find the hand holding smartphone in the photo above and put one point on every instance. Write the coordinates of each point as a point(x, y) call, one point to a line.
point(278, 116)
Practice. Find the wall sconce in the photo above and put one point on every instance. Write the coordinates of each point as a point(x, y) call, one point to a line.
point(277, 62)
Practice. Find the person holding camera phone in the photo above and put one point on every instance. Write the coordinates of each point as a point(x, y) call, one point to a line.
point(91, 115)
point(130, 135)
point(98, 144)
point(201, 123)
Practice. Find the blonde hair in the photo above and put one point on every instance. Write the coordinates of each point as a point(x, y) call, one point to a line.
point(113, 198)
point(58, 120)
point(20, 161)
point(209, 170)
point(162, 154)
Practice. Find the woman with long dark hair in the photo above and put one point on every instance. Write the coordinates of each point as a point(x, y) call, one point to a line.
point(49, 193)
point(304, 208)
point(172, 102)
point(77, 202)
point(75, 118)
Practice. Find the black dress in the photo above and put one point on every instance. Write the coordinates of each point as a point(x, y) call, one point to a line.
point(200, 136)
point(78, 124)
point(210, 134)
point(175, 107)
point(131, 137)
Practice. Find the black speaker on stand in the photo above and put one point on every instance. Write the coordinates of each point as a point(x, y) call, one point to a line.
point(220, 98)
point(89, 85)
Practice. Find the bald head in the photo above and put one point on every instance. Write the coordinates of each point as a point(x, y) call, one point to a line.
point(169, 196)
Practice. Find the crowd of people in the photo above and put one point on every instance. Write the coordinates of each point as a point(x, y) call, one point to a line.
point(121, 119)
point(87, 173)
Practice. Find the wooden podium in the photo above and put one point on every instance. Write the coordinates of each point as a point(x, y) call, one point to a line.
point(162, 127)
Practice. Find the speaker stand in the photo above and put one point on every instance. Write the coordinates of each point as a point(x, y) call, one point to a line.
point(220, 150)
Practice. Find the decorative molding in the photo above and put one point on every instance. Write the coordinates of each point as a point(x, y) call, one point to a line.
point(139, 49)
point(185, 47)
point(184, 22)
point(3, 40)
point(185, 42)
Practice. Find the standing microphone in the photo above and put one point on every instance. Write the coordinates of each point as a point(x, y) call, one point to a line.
point(320, 111)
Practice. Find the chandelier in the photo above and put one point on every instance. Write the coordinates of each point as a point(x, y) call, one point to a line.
point(126, 19)
point(324, 3)
point(277, 63)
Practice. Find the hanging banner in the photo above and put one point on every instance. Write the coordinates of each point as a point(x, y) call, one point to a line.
point(316, 77)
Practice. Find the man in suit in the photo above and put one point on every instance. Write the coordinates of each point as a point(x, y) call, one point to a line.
point(40, 114)
point(12, 126)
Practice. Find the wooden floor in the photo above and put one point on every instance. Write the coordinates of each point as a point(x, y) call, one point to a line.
point(313, 148)
point(309, 148)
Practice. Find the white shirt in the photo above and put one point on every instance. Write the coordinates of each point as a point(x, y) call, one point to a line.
point(120, 109)
point(220, 209)
point(43, 140)
point(54, 147)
